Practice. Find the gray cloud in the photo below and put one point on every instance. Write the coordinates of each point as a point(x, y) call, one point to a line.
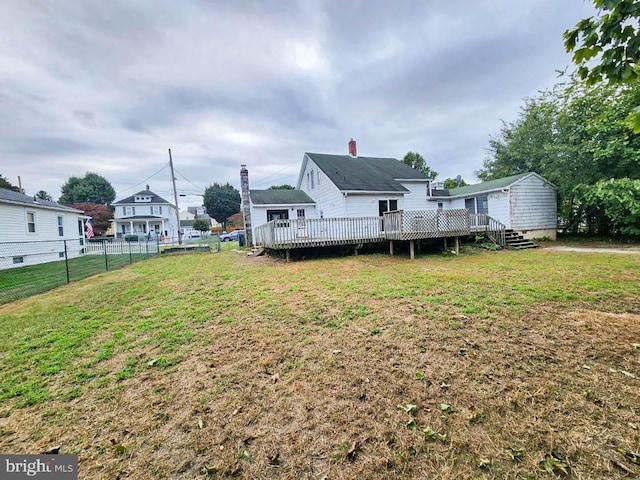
point(109, 86)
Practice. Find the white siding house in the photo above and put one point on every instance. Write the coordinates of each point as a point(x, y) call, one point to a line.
point(352, 187)
point(36, 231)
point(525, 203)
point(145, 212)
point(267, 205)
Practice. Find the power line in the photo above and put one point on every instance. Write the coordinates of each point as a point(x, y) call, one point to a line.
point(189, 181)
point(266, 179)
point(143, 181)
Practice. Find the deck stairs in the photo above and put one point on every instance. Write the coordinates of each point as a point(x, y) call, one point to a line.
point(515, 241)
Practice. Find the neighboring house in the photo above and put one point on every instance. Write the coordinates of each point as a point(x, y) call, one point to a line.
point(351, 186)
point(186, 216)
point(37, 231)
point(145, 212)
point(525, 203)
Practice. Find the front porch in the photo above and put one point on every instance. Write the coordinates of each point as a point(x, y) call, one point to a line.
point(140, 226)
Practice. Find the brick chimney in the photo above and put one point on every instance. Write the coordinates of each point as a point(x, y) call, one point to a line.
point(352, 148)
point(246, 210)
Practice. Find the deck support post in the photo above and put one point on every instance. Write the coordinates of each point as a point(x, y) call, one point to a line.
point(391, 247)
point(457, 246)
point(288, 255)
point(355, 251)
point(412, 249)
point(445, 244)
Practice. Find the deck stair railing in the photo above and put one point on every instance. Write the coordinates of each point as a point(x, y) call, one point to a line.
point(489, 226)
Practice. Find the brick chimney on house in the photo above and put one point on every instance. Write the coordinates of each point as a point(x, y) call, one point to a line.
point(352, 148)
point(246, 210)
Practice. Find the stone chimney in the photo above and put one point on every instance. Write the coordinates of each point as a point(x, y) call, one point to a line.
point(147, 187)
point(246, 210)
point(352, 148)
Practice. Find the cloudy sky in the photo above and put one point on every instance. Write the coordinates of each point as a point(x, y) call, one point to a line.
point(109, 86)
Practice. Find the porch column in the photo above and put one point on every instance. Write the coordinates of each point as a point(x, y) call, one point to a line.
point(148, 227)
point(131, 227)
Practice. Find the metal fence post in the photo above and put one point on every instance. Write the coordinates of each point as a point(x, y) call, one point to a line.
point(66, 260)
point(106, 261)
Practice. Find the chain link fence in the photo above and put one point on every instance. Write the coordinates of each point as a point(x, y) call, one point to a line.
point(28, 268)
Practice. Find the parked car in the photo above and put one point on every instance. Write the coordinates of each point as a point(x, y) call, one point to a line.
point(231, 237)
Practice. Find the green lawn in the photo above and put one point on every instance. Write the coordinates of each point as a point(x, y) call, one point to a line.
point(17, 283)
point(490, 364)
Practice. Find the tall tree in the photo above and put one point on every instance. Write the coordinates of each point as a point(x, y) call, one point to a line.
point(42, 195)
point(92, 188)
point(201, 225)
point(417, 161)
point(607, 47)
point(284, 186)
point(453, 183)
point(101, 216)
point(574, 135)
point(4, 183)
point(222, 201)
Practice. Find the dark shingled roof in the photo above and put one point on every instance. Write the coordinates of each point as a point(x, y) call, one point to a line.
point(15, 197)
point(369, 174)
point(279, 197)
point(144, 193)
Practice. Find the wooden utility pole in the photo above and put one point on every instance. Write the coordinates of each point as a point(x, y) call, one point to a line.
point(175, 197)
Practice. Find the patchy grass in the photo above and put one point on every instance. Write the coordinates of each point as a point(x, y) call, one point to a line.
point(491, 364)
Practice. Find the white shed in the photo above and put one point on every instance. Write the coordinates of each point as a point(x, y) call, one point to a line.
point(525, 203)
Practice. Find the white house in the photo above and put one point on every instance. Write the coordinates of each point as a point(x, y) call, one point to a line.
point(145, 212)
point(525, 203)
point(37, 231)
point(352, 186)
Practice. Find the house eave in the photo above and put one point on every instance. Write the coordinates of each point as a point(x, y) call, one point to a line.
point(258, 205)
point(374, 192)
point(45, 207)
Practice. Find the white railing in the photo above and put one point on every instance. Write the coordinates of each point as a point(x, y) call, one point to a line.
point(109, 247)
point(418, 224)
point(300, 233)
point(492, 228)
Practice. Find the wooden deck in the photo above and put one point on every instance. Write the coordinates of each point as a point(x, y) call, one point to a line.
point(400, 225)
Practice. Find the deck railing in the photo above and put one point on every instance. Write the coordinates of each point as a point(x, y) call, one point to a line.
point(492, 228)
point(300, 233)
point(414, 225)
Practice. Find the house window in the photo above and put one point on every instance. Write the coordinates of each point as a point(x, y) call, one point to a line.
point(387, 206)
point(277, 215)
point(61, 254)
point(440, 205)
point(156, 210)
point(31, 222)
point(308, 182)
point(18, 260)
point(483, 204)
point(61, 226)
point(312, 181)
point(300, 213)
point(129, 211)
point(318, 178)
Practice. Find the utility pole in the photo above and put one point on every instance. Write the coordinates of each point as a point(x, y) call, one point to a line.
point(175, 197)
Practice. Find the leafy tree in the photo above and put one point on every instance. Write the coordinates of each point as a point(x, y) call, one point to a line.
point(236, 221)
point(101, 215)
point(281, 187)
point(201, 224)
point(611, 206)
point(417, 161)
point(608, 47)
point(453, 183)
point(92, 188)
point(573, 135)
point(6, 184)
point(222, 201)
point(42, 195)
point(612, 39)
